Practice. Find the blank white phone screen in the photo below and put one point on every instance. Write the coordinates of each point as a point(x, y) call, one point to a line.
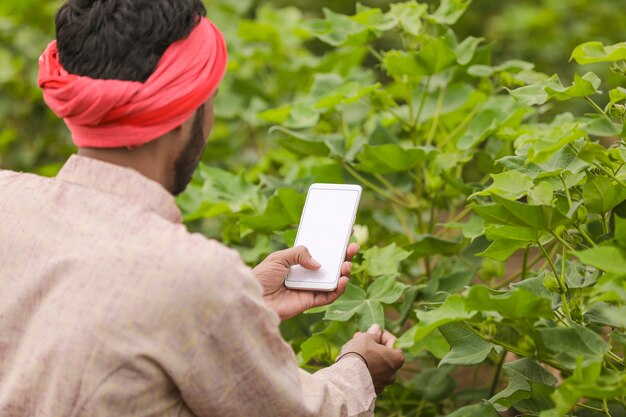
point(325, 226)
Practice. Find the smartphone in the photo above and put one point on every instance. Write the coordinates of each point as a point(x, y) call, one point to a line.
point(325, 229)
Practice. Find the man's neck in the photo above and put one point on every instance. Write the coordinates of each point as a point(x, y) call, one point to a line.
point(143, 160)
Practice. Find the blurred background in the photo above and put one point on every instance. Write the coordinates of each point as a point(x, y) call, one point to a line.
point(267, 52)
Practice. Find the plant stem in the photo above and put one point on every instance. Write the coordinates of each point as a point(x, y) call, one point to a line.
point(615, 358)
point(525, 262)
point(417, 118)
point(569, 197)
point(375, 53)
point(389, 185)
point(562, 286)
point(585, 235)
point(399, 118)
point(605, 224)
point(548, 258)
point(610, 174)
point(588, 407)
point(514, 349)
point(435, 123)
point(375, 187)
point(605, 408)
point(597, 108)
point(459, 128)
point(402, 219)
point(519, 274)
point(563, 242)
point(496, 376)
point(421, 407)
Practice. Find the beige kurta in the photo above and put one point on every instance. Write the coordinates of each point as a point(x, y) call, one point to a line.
point(110, 307)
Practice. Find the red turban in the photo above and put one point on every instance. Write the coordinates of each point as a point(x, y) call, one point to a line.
point(114, 113)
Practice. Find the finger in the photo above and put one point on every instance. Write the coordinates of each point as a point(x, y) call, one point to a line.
point(299, 255)
point(325, 298)
point(346, 267)
point(397, 358)
point(388, 339)
point(342, 284)
point(375, 331)
point(353, 248)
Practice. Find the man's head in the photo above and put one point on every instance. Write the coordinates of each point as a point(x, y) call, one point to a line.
point(125, 40)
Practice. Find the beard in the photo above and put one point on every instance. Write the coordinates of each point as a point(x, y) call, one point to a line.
point(189, 158)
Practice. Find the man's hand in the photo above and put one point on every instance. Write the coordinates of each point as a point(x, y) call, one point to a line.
point(272, 272)
point(382, 360)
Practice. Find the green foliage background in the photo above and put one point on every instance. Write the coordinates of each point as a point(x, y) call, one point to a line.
point(492, 222)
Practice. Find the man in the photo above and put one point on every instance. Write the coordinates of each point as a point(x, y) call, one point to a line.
point(108, 306)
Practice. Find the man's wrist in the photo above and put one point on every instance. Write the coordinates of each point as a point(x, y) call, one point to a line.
point(354, 355)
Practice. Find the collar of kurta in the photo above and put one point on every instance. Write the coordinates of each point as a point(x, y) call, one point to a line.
point(123, 182)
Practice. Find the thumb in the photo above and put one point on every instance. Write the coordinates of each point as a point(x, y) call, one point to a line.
point(300, 255)
point(375, 331)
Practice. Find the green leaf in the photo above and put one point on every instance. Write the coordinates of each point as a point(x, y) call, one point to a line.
point(385, 159)
point(513, 65)
point(322, 145)
point(502, 249)
point(565, 160)
point(449, 11)
point(601, 194)
point(479, 129)
point(386, 290)
point(466, 49)
point(523, 234)
point(409, 15)
point(528, 389)
point(607, 315)
point(510, 184)
point(434, 57)
point(607, 258)
point(428, 245)
point(347, 93)
point(302, 116)
point(451, 311)
point(592, 52)
point(347, 305)
point(282, 210)
point(617, 94)
point(337, 29)
point(367, 306)
point(599, 125)
point(474, 228)
point(479, 410)
point(541, 194)
point(544, 90)
point(221, 192)
point(434, 384)
point(466, 347)
point(577, 275)
point(569, 344)
point(514, 213)
point(384, 261)
point(518, 303)
point(434, 343)
point(586, 382)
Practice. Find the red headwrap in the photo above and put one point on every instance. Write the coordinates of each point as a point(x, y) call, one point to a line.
point(113, 113)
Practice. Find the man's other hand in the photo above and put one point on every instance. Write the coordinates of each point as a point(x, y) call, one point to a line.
point(381, 358)
point(272, 272)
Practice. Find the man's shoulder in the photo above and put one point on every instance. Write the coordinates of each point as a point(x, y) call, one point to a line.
point(188, 262)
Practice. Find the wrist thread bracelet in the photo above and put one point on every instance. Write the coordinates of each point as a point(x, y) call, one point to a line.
point(355, 353)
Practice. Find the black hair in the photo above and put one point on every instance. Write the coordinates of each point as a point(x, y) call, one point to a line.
point(121, 39)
